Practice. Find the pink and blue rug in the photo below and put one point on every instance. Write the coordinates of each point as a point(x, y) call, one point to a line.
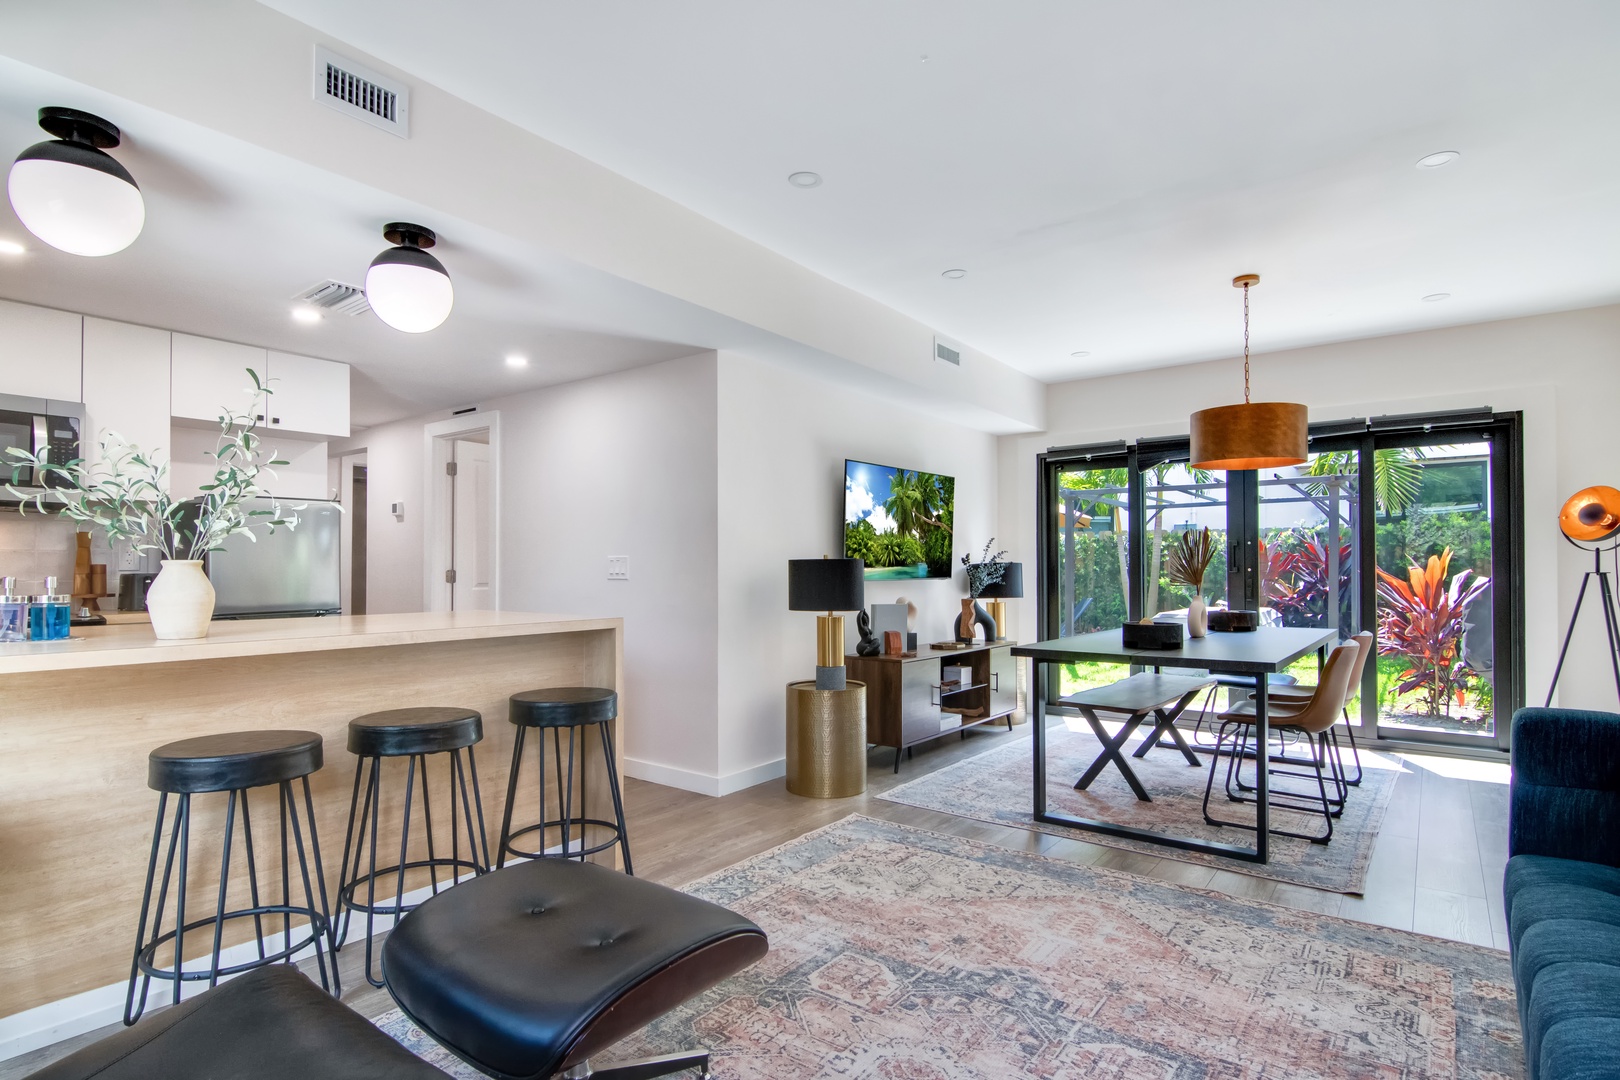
point(900, 954)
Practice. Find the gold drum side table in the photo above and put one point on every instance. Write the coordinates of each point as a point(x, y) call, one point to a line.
point(826, 740)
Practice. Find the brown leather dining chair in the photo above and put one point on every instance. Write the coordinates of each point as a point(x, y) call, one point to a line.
point(1299, 695)
point(1313, 719)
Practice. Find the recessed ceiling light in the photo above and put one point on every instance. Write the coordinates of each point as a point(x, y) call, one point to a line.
point(305, 314)
point(1436, 296)
point(954, 274)
point(1080, 355)
point(1434, 161)
point(11, 247)
point(804, 179)
point(516, 360)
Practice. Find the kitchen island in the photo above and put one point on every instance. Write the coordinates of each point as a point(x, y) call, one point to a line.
point(79, 718)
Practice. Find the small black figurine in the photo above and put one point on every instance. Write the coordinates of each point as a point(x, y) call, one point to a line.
point(869, 645)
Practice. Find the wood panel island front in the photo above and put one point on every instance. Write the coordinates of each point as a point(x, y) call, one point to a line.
point(79, 718)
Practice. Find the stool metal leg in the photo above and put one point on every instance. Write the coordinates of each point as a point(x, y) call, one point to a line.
point(345, 913)
point(568, 801)
point(253, 876)
point(224, 884)
point(504, 844)
point(320, 924)
point(618, 797)
point(132, 1011)
point(180, 895)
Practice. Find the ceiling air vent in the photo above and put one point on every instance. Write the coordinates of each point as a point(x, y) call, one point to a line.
point(362, 93)
point(947, 350)
point(334, 296)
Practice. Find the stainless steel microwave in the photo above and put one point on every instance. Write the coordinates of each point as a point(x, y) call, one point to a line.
point(52, 428)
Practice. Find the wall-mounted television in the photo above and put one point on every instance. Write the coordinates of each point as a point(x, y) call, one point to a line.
point(899, 521)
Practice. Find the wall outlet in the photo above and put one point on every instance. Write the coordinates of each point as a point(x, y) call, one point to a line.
point(618, 568)
point(128, 558)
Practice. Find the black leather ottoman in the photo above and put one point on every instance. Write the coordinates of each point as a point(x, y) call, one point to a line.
point(527, 972)
point(271, 1023)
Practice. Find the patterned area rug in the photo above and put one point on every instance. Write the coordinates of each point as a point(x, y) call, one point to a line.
point(900, 954)
point(995, 786)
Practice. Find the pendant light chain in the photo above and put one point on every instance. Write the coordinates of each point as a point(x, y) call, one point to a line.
point(1245, 343)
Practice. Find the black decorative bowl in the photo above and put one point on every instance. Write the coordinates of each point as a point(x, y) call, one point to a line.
point(1236, 620)
point(1151, 635)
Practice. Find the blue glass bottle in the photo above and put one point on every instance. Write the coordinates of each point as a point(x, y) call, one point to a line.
point(50, 614)
point(13, 612)
point(58, 611)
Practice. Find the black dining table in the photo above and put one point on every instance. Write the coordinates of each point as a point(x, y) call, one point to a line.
point(1259, 654)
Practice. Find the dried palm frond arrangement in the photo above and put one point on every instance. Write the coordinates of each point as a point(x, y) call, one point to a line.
point(1189, 559)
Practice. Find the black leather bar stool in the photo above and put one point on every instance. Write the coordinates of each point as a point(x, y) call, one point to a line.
point(570, 709)
point(231, 763)
point(412, 734)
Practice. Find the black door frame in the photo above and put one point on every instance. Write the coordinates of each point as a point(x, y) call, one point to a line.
point(1504, 431)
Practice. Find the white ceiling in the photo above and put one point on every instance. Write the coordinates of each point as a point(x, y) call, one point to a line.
point(1101, 170)
point(233, 232)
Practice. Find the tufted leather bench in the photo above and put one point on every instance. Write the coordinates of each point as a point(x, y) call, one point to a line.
point(527, 972)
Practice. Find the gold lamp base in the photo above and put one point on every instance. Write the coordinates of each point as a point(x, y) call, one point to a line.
point(998, 614)
point(826, 740)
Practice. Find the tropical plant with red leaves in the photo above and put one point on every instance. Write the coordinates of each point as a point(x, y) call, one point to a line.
point(1301, 592)
point(1423, 621)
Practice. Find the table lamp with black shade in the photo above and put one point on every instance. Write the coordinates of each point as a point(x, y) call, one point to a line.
point(827, 585)
point(1010, 587)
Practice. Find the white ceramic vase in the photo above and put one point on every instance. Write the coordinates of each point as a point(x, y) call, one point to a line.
point(1197, 618)
point(180, 600)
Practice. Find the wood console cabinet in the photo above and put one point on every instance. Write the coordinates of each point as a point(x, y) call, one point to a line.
point(906, 704)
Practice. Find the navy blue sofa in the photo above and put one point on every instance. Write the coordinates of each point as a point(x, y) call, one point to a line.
point(1562, 891)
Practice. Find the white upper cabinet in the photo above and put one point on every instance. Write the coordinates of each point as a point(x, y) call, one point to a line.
point(209, 377)
point(309, 396)
point(39, 352)
point(126, 386)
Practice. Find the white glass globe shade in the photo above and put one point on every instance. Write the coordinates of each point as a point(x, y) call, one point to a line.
point(75, 209)
point(409, 296)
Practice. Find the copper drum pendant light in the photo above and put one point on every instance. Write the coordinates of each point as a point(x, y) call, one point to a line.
point(1591, 514)
point(1255, 434)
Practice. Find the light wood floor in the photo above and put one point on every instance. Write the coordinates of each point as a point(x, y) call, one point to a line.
point(1437, 867)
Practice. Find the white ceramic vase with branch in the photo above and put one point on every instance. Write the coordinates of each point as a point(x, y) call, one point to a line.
point(125, 494)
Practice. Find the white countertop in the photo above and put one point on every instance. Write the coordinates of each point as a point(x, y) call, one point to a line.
point(126, 645)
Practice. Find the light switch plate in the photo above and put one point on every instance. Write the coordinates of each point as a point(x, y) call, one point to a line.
point(618, 568)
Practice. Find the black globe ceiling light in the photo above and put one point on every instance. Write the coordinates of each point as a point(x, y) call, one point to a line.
point(70, 192)
point(408, 288)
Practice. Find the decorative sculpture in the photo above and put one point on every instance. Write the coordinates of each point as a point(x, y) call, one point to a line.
point(869, 645)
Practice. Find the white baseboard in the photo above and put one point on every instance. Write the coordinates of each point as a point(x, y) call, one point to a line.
point(704, 783)
point(58, 1020)
point(759, 774)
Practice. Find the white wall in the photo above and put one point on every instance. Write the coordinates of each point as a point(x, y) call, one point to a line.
point(783, 441)
point(1562, 371)
point(618, 465)
point(192, 464)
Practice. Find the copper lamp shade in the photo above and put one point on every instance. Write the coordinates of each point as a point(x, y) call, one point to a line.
point(1591, 514)
point(1255, 435)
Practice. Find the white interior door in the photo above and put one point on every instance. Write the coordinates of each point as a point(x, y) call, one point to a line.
point(470, 539)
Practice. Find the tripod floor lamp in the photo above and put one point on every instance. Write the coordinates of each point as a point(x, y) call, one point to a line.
point(1590, 520)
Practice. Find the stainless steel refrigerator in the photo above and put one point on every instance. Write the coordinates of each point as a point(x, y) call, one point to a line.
point(287, 572)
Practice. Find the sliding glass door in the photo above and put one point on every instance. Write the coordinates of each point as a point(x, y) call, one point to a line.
point(1404, 526)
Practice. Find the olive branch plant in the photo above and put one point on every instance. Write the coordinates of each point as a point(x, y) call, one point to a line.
point(125, 494)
